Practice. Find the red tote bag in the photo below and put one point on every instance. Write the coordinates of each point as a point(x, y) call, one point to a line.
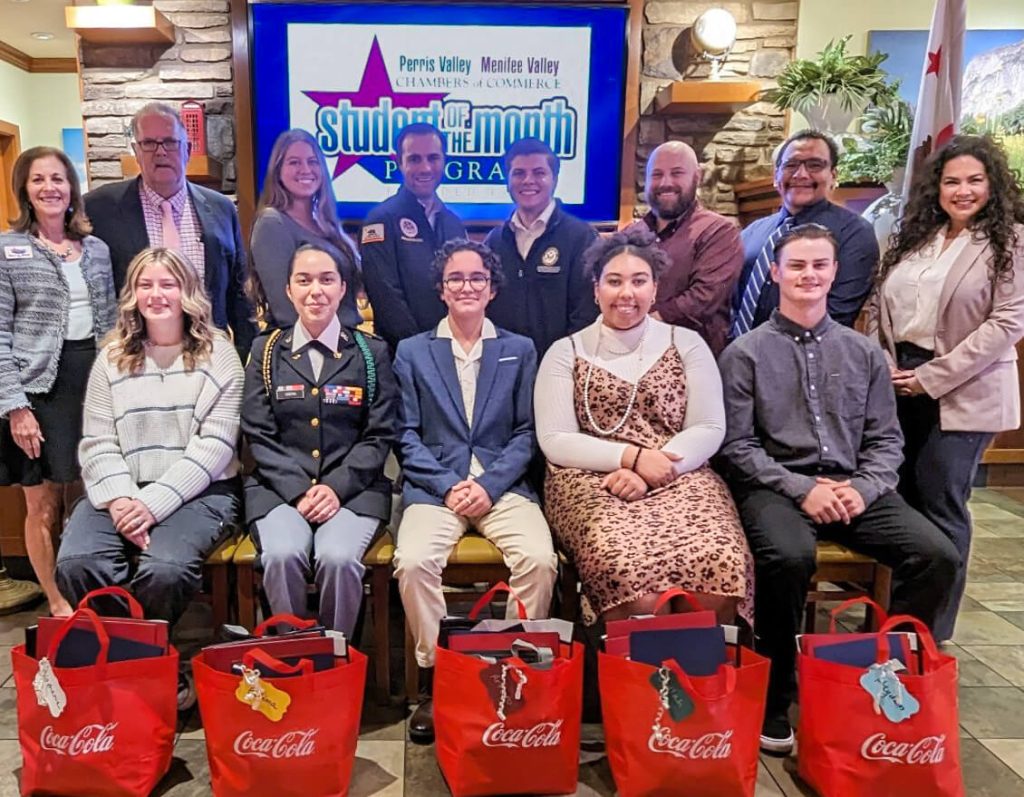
point(522, 736)
point(115, 735)
point(310, 750)
point(846, 749)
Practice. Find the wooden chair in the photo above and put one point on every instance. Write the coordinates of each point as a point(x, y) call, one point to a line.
point(377, 561)
point(473, 562)
point(217, 573)
point(853, 574)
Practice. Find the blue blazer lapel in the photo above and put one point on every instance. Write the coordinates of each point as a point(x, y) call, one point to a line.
point(441, 352)
point(135, 221)
point(207, 222)
point(485, 381)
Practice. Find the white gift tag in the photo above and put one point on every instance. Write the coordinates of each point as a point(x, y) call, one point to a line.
point(48, 690)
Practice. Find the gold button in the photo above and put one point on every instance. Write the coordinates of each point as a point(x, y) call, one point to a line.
point(314, 422)
point(316, 453)
point(315, 391)
point(313, 481)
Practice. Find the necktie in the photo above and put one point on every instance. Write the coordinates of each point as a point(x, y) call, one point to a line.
point(744, 320)
point(171, 238)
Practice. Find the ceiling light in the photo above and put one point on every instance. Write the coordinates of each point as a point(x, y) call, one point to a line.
point(42, 36)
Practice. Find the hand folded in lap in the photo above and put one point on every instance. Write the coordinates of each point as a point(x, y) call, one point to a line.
point(625, 484)
point(469, 499)
point(319, 504)
point(657, 468)
point(132, 519)
point(852, 500)
point(905, 383)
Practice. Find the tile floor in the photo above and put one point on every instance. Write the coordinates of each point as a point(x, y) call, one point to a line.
point(989, 643)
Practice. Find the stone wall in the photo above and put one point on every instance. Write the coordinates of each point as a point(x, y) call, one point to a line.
point(732, 147)
point(118, 80)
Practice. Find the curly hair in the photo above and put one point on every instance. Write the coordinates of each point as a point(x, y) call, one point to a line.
point(490, 260)
point(636, 241)
point(923, 216)
point(128, 337)
point(76, 223)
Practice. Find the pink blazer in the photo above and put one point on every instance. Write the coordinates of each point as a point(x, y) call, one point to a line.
point(974, 373)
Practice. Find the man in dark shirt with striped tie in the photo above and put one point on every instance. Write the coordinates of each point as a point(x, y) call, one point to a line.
point(805, 171)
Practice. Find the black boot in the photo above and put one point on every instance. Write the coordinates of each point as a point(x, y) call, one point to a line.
point(421, 724)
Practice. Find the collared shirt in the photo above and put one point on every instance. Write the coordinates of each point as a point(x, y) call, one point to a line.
point(807, 402)
point(913, 288)
point(431, 207)
point(329, 338)
point(858, 259)
point(467, 365)
point(185, 220)
point(526, 234)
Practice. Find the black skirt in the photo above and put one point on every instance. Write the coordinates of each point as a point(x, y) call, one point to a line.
point(59, 414)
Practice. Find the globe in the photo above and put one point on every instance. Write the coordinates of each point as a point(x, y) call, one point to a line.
point(714, 32)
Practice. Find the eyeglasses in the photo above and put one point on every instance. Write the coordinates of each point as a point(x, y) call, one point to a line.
point(477, 282)
point(151, 144)
point(813, 165)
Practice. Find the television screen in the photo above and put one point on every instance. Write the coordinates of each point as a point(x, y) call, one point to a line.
point(353, 74)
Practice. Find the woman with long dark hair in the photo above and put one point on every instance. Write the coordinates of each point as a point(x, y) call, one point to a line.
point(297, 207)
point(949, 311)
point(56, 301)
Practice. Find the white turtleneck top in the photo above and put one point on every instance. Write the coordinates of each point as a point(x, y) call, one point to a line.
point(558, 432)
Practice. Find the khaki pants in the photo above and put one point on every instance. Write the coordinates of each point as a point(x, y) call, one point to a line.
point(426, 537)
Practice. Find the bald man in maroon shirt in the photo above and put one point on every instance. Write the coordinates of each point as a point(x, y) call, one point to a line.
point(705, 248)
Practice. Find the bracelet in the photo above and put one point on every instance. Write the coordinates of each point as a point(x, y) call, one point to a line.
point(636, 459)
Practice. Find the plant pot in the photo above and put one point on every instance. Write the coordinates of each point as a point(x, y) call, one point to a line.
point(830, 116)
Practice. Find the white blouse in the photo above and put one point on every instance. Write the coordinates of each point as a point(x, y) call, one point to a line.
point(80, 324)
point(912, 290)
point(562, 440)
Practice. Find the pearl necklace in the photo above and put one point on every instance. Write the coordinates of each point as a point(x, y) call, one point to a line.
point(632, 396)
point(62, 254)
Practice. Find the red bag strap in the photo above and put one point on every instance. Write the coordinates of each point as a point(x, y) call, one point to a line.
point(101, 635)
point(289, 619)
point(134, 607)
point(842, 607)
point(927, 640)
point(302, 667)
point(684, 680)
point(676, 592)
point(488, 596)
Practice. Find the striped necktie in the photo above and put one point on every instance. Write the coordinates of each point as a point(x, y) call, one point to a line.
point(744, 318)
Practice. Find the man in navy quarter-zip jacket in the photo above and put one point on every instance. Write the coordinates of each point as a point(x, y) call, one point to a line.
point(546, 295)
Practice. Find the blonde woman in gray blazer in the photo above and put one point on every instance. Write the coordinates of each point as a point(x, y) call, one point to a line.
point(949, 311)
point(56, 302)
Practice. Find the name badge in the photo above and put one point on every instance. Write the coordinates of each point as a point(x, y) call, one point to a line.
point(290, 392)
point(343, 394)
point(18, 252)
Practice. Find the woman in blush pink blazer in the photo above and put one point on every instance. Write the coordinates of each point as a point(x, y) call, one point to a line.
point(949, 311)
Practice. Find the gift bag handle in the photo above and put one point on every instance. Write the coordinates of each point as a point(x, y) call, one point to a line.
point(101, 635)
point(290, 619)
point(685, 682)
point(676, 592)
point(927, 640)
point(881, 613)
point(488, 596)
point(134, 607)
point(301, 667)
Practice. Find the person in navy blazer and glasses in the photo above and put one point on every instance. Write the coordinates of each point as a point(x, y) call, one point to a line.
point(466, 438)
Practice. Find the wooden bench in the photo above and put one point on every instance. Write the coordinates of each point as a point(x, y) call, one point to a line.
point(853, 575)
point(376, 560)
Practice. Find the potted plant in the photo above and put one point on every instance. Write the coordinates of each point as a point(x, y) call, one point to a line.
point(834, 88)
point(879, 153)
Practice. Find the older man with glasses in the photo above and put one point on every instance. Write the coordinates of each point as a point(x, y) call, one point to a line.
point(805, 174)
point(161, 208)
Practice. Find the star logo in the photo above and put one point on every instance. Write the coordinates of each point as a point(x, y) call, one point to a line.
point(934, 59)
point(375, 85)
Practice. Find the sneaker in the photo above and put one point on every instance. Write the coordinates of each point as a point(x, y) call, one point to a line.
point(777, 735)
point(186, 692)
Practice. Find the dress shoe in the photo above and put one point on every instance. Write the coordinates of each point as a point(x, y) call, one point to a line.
point(421, 724)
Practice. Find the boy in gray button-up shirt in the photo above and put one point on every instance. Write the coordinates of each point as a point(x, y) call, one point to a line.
point(812, 449)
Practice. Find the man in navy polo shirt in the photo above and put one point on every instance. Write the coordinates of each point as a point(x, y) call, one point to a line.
point(546, 295)
point(400, 236)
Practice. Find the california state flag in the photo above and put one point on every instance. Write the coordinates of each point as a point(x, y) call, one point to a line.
point(937, 117)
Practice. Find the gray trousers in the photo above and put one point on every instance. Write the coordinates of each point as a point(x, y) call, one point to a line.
point(337, 547)
point(167, 574)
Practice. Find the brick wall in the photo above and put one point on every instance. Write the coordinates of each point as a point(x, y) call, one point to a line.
point(118, 80)
point(732, 147)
